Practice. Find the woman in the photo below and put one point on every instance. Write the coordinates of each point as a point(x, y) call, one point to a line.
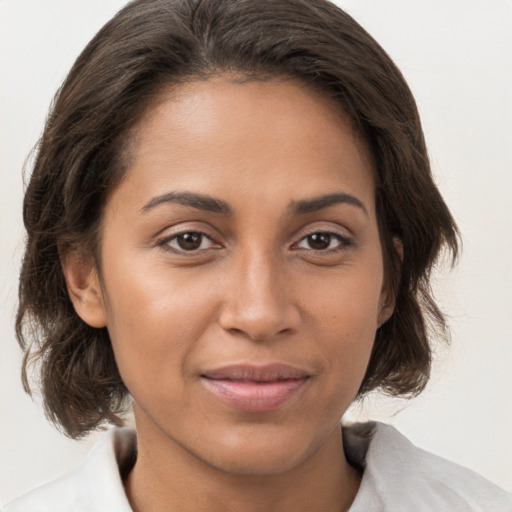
point(232, 220)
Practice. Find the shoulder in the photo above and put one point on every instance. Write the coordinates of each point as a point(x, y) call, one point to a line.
point(94, 485)
point(399, 476)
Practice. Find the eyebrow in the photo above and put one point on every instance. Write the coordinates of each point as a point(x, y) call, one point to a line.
point(318, 203)
point(193, 200)
point(211, 204)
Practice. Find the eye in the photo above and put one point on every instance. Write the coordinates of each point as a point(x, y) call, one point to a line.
point(323, 241)
point(189, 241)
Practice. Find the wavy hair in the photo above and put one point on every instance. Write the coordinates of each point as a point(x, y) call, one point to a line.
point(155, 44)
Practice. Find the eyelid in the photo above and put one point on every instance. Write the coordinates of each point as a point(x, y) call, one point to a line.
point(343, 235)
point(203, 236)
point(163, 240)
point(341, 238)
point(330, 228)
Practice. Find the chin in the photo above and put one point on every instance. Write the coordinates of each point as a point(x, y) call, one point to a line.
point(260, 452)
point(254, 463)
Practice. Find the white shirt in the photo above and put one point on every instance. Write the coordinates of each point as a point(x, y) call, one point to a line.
point(397, 477)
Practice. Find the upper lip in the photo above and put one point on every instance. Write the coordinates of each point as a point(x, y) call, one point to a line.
point(266, 373)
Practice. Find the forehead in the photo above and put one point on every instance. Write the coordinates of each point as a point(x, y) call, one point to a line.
point(203, 107)
point(219, 136)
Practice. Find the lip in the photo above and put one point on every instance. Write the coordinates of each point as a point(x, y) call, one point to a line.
point(255, 388)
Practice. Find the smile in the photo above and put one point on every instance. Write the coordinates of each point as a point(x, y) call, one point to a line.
point(255, 389)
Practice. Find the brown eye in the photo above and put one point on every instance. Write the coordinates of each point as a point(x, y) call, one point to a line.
point(189, 241)
point(324, 241)
point(319, 241)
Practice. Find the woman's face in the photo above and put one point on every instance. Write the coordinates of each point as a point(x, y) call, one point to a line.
point(242, 273)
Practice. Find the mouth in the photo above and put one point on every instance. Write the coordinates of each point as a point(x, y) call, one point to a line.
point(255, 388)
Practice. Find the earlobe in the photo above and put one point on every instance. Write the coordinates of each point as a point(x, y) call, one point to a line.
point(399, 247)
point(387, 298)
point(385, 312)
point(84, 287)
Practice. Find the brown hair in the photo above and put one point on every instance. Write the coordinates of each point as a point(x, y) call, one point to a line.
point(152, 44)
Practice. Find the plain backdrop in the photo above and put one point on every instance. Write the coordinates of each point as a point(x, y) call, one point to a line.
point(457, 58)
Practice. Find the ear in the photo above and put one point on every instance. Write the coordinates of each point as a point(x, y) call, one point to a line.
point(387, 296)
point(83, 287)
point(399, 247)
point(386, 309)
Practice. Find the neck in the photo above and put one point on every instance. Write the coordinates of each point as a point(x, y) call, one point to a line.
point(168, 477)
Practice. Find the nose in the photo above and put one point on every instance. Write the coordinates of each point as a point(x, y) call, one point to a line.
point(258, 302)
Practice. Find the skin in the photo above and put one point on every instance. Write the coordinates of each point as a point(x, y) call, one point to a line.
point(254, 290)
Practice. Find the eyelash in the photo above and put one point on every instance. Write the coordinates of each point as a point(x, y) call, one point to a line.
point(343, 242)
point(166, 242)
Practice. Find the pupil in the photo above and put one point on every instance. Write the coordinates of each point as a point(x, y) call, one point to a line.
point(189, 241)
point(319, 240)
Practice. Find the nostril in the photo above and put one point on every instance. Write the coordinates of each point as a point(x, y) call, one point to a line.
point(242, 333)
point(258, 320)
point(256, 337)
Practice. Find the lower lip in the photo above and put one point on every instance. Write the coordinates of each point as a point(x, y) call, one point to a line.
point(254, 396)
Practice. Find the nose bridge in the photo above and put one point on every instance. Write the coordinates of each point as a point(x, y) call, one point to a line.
point(256, 303)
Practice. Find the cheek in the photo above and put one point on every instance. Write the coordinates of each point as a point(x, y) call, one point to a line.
point(347, 301)
point(344, 313)
point(155, 319)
